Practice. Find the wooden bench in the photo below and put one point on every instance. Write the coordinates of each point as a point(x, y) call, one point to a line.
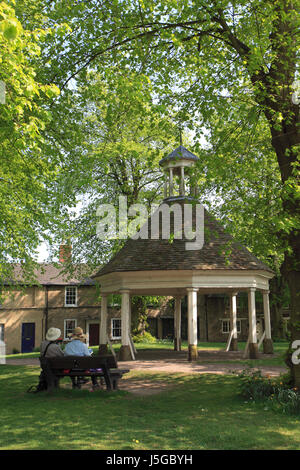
point(80, 366)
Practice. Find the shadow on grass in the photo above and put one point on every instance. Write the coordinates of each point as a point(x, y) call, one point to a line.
point(198, 412)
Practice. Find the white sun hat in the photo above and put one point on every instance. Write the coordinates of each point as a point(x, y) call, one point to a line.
point(53, 334)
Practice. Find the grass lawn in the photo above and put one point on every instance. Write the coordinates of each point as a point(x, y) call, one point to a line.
point(196, 412)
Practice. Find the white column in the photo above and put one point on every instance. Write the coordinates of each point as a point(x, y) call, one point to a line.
point(253, 347)
point(166, 186)
point(125, 316)
point(182, 186)
point(103, 325)
point(192, 323)
point(125, 353)
point(233, 317)
point(268, 344)
point(171, 181)
point(177, 324)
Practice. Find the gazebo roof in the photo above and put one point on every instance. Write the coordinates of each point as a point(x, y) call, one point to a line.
point(180, 153)
point(219, 252)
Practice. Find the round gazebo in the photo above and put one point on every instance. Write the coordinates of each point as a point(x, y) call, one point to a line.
point(168, 263)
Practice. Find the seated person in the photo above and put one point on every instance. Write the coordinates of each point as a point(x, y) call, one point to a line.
point(50, 346)
point(77, 347)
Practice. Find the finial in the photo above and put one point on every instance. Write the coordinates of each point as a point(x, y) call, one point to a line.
point(180, 134)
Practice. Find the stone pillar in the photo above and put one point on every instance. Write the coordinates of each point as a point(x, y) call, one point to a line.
point(233, 327)
point(182, 187)
point(103, 326)
point(166, 186)
point(253, 346)
point(192, 324)
point(125, 353)
point(268, 343)
point(170, 181)
point(177, 324)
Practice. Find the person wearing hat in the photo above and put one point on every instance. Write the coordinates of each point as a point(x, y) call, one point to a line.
point(50, 346)
point(77, 347)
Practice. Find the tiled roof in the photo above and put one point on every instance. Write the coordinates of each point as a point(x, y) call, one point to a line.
point(52, 274)
point(220, 252)
point(181, 153)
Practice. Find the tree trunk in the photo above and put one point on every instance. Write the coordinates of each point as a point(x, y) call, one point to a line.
point(293, 278)
point(277, 294)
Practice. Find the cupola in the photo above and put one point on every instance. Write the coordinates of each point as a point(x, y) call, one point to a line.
point(177, 169)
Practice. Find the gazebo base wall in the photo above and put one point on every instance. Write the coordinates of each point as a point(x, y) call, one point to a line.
point(253, 351)
point(234, 344)
point(193, 352)
point(268, 346)
point(103, 349)
point(125, 353)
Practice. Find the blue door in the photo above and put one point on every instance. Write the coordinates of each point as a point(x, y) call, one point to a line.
point(28, 337)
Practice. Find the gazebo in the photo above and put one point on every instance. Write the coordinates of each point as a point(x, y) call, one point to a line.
point(163, 265)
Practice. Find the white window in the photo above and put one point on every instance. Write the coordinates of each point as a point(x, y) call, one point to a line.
point(116, 331)
point(71, 296)
point(226, 326)
point(1, 331)
point(69, 326)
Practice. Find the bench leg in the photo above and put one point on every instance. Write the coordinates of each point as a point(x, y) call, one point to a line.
point(108, 380)
point(115, 384)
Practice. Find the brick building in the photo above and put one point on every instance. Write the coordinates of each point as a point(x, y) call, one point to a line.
point(213, 318)
point(27, 311)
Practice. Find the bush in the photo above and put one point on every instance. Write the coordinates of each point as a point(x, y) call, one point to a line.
point(256, 387)
point(276, 391)
point(144, 338)
point(289, 401)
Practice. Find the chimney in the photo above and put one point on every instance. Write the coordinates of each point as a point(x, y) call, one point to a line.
point(65, 253)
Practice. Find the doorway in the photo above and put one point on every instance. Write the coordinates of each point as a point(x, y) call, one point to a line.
point(28, 337)
point(93, 334)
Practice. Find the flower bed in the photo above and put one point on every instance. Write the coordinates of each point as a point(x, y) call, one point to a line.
point(276, 392)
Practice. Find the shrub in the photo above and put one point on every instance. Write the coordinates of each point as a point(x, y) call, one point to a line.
point(289, 401)
point(277, 391)
point(144, 338)
point(254, 386)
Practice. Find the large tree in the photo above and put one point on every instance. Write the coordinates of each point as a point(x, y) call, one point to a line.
point(119, 137)
point(206, 57)
point(25, 211)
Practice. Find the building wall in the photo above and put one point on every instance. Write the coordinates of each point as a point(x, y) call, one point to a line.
point(29, 305)
point(13, 319)
point(213, 310)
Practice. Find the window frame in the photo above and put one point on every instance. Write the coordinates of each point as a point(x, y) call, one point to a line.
point(65, 327)
point(76, 296)
point(116, 328)
point(227, 321)
point(2, 332)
